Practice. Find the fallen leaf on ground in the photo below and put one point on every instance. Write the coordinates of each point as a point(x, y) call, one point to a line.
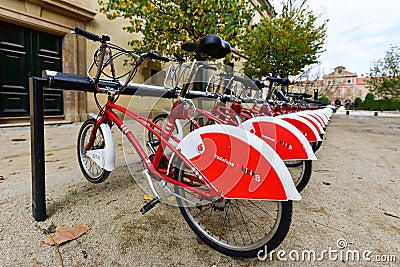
point(148, 197)
point(171, 198)
point(1, 178)
point(326, 183)
point(64, 234)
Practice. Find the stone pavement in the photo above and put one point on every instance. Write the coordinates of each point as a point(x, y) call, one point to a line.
point(353, 196)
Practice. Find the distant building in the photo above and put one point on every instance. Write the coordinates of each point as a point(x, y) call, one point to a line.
point(341, 87)
point(344, 86)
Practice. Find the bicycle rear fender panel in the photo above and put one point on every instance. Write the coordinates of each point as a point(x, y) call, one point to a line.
point(324, 115)
point(105, 157)
point(313, 121)
point(283, 137)
point(303, 125)
point(319, 116)
point(328, 110)
point(316, 116)
point(238, 164)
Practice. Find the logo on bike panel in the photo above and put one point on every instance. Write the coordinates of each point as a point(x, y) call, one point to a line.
point(268, 138)
point(224, 160)
point(200, 148)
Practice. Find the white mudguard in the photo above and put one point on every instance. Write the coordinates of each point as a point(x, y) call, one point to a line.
point(313, 121)
point(317, 116)
point(321, 115)
point(283, 137)
point(105, 157)
point(328, 111)
point(303, 125)
point(238, 164)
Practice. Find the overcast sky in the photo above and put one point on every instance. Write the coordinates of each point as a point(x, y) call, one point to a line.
point(358, 31)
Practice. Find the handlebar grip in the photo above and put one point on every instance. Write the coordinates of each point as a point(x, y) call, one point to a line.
point(152, 55)
point(179, 57)
point(87, 34)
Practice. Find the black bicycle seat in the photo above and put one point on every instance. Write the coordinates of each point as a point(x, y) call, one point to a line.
point(211, 45)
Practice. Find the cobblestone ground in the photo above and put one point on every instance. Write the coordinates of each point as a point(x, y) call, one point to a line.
point(350, 206)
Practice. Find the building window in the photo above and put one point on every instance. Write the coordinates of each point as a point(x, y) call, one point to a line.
point(348, 81)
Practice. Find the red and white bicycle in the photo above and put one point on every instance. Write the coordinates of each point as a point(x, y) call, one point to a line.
point(233, 189)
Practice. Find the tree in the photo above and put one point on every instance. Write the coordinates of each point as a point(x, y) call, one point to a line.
point(285, 44)
point(384, 78)
point(369, 97)
point(165, 24)
point(324, 99)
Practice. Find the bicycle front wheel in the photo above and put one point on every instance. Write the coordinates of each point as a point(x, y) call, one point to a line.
point(92, 172)
point(237, 227)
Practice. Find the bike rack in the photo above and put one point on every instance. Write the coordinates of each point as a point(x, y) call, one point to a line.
point(62, 81)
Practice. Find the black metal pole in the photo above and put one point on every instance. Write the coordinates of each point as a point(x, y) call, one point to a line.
point(315, 94)
point(37, 147)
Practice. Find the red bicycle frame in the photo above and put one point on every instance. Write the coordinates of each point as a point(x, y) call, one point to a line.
point(178, 112)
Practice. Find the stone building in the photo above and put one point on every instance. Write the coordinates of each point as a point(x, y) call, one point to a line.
point(341, 87)
point(36, 35)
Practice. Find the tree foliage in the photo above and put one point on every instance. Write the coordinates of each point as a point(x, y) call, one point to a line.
point(285, 44)
point(165, 24)
point(324, 99)
point(369, 97)
point(384, 78)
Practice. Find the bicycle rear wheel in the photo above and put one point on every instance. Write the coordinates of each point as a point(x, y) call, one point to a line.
point(300, 170)
point(92, 172)
point(236, 227)
point(160, 120)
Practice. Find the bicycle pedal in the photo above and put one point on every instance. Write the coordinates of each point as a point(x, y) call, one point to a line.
point(149, 205)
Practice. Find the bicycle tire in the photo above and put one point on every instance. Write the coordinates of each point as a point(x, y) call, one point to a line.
point(202, 120)
point(317, 146)
point(248, 220)
point(159, 120)
point(300, 171)
point(92, 172)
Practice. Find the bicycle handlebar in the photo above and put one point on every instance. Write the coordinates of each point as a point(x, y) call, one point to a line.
point(87, 34)
point(281, 81)
point(152, 55)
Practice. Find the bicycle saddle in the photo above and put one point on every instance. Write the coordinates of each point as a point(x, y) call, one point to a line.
point(212, 45)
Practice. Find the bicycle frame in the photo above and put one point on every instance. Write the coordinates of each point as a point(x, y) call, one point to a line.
point(109, 117)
